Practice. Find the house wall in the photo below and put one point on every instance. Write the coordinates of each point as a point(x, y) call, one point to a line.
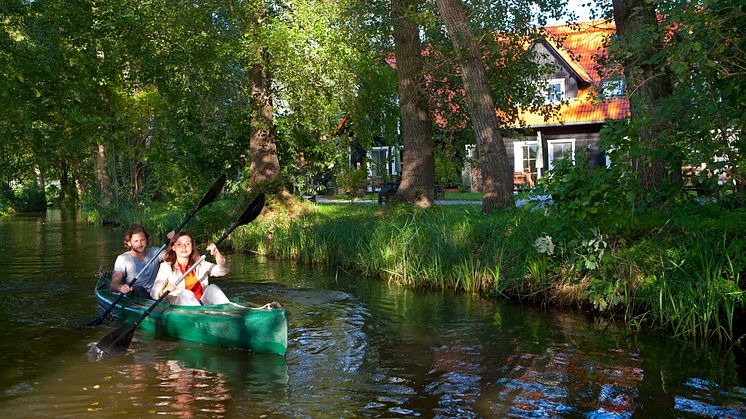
point(586, 138)
point(546, 56)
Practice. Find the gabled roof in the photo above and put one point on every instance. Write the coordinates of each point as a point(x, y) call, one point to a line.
point(573, 65)
point(580, 46)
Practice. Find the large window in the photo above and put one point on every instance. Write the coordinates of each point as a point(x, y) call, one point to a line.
point(561, 149)
point(525, 154)
point(383, 161)
point(555, 90)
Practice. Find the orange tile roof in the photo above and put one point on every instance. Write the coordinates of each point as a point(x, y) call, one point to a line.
point(585, 41)
point(578, 112)
point(580, 45)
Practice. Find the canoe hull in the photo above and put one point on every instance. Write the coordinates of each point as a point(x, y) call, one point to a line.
point(232, 325)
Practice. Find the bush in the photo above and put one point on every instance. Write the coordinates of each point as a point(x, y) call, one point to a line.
point(29, 198)
point(352, 181)
point(446, 167)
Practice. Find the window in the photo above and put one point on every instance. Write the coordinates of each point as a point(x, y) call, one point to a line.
point(611, 88)
point(383, 161)
point(561, 149)
point(555, 90)
point(525, 153)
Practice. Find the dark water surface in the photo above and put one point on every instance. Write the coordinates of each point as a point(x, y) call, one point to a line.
point(356, 348)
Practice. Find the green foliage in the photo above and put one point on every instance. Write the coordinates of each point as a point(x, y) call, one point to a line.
point(447, 168)
point(587, 198)
point(28, 197)
point(352, 180)
point(702, 120)
point(162, 89)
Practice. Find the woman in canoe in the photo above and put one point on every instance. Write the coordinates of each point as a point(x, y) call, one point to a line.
point(195, 289)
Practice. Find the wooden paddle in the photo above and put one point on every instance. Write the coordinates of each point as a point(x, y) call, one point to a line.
point(117, 342)
point(207, 199)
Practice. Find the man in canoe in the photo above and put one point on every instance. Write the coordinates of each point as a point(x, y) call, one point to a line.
point(133, 261)
point(195, 289)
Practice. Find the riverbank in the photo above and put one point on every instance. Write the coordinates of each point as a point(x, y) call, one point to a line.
point(681, 269)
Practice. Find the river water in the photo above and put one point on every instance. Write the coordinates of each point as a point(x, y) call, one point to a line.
point(356, 348)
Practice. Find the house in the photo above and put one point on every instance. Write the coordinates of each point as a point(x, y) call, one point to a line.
point(584, 99)
point(382, 162)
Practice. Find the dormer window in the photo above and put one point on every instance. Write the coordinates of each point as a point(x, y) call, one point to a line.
point(611, 88)
point(555, 91)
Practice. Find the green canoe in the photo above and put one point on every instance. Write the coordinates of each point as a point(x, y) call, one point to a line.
point(259, 329)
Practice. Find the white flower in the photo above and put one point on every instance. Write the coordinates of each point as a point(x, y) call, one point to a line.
point(544, 245)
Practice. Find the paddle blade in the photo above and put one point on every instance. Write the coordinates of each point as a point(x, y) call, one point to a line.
point(213, 192)
point(117, 342)
point(95, 322)
point(253, 210)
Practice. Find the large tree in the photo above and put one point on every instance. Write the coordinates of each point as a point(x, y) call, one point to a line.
point(418, 171)
point(496, 173)
point(649, 83)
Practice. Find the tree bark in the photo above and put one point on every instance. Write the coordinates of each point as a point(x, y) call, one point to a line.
point(103, 180)
point(497, 181)
point(649, 84)
point(265, 165)
point(418, 167)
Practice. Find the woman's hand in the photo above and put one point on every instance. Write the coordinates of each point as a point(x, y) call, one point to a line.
point(169, 287)
point(213, 249)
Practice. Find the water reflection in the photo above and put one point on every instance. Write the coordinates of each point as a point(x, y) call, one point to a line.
point(356, 348)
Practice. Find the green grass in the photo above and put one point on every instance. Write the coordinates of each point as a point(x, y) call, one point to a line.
point(661, 270)
point(463, 196)
point(449, 196)
point(366, 197)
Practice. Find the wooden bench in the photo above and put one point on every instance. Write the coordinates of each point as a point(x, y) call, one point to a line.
point(388, 189)
point(440, 192)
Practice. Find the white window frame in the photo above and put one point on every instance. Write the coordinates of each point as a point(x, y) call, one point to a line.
point(563, 93)
point(393, 164)
point(550, 149)
point(518, 155)
point(471, 151)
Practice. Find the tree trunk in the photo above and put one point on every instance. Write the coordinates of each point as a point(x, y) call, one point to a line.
point(649, 84)
point(497, 181)
point(42, 182)
point(418, 167)
point(103, 180)
point(265, 165)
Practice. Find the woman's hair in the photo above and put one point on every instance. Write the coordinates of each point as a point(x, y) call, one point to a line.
point(135, 229)
point(170, 256)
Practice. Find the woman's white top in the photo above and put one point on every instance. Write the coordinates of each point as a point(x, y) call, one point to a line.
point(168, 274)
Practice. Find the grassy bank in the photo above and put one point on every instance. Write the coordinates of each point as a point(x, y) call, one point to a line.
point(681, 269)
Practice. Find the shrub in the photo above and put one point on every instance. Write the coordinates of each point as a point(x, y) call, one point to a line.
point(352, 180)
